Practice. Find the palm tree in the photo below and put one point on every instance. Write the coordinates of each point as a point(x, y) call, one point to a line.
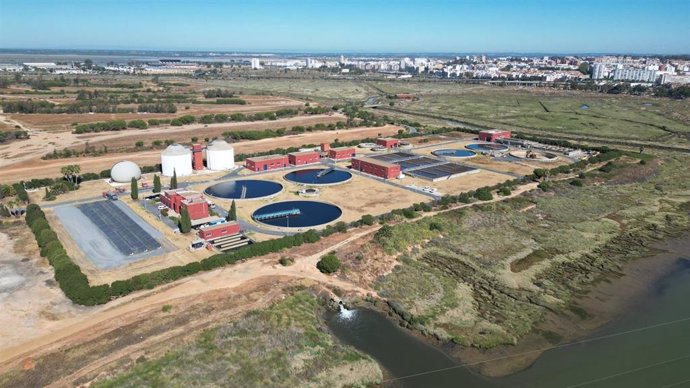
point(71, 173)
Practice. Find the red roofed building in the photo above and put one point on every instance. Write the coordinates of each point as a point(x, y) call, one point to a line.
point(341, 153)
point(492, 135)
point(305, 157)
point(265, 163)
point(388, 142)
point(212, 232)
point(375, 167)
point(194, 202)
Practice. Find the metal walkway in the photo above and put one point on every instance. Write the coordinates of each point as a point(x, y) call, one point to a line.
point(278, 214)
point(324, 172)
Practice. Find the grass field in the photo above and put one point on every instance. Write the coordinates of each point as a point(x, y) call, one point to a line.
point(283, 345)
point(625, 117)
point(313, 89)
point(485, 276)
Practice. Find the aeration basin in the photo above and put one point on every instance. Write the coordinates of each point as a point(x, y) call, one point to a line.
point(244, 189)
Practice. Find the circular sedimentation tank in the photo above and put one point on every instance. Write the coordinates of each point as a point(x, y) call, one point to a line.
point(539, 156)
point(487, 147)
point(297, 214)
point(318, 176)
point(454, 153)
point(244, 189)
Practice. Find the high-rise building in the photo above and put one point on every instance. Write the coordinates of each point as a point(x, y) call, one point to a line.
point(598, 71)
point(256, 64)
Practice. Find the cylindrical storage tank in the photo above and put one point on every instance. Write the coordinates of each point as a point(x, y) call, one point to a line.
point(124, 171)
point(220, 156)
point(176, 159)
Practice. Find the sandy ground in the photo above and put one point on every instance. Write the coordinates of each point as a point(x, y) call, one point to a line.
point(114, 313)
point(63, 122)
point(31, 166)
point(202, 131)
point(31, 304)
point(42, 142)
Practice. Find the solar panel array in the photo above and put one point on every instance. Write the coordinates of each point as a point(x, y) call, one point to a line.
point(394, 157)
point(128, 237)
point(423, 166)
point(445, 170)
point(412, 164)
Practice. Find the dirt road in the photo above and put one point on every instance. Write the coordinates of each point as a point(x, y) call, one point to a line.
point(114, 314)
point(42, 142)
point(117, 313)
point(32, 166)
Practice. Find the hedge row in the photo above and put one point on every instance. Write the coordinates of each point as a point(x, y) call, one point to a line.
point(68, 275)
point(76, 286)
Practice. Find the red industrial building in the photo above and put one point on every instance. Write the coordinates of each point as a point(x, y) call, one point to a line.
point(388, 142)
point(375, 167)
point(194, 202)
point(494, 134)
point(197, 157)
point(265, 163)
point(224, 229)
point(304, 157)
point(341, 153)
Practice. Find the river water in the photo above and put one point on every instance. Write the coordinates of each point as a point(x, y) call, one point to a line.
point(646, 346)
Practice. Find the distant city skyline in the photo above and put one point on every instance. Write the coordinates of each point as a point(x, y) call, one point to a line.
point(398, 26)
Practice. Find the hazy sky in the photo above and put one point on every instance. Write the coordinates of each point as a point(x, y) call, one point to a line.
point(556, 26)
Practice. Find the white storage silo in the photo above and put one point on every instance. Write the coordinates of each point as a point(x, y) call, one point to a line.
point(220, 156)
point(124, 171)
point(176, 159)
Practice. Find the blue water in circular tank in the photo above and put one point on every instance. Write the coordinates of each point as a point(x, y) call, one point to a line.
point(252, 188)
point(487, 147)
point(311, 176)
point(454, 153)
point(297, 214)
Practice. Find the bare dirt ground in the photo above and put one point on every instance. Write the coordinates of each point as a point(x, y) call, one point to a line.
point(31, 166)
point(63, 122)
point(117, 313)
point(128, 138)
point(43, 142)
point(30, 302)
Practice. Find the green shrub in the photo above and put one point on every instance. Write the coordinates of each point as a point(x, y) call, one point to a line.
point(483, 194)
point(367, 219)
point(329, 263)
point(286, 261)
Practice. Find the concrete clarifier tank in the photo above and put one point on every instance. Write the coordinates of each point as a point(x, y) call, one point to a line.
point(176, 159)
point(220, 156)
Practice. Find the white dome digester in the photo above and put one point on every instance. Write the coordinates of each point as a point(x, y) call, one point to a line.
point(220, 156)
point(176, 159)
point(124, 171)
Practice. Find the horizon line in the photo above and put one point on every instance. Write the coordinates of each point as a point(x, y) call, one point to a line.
point(342, 52)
